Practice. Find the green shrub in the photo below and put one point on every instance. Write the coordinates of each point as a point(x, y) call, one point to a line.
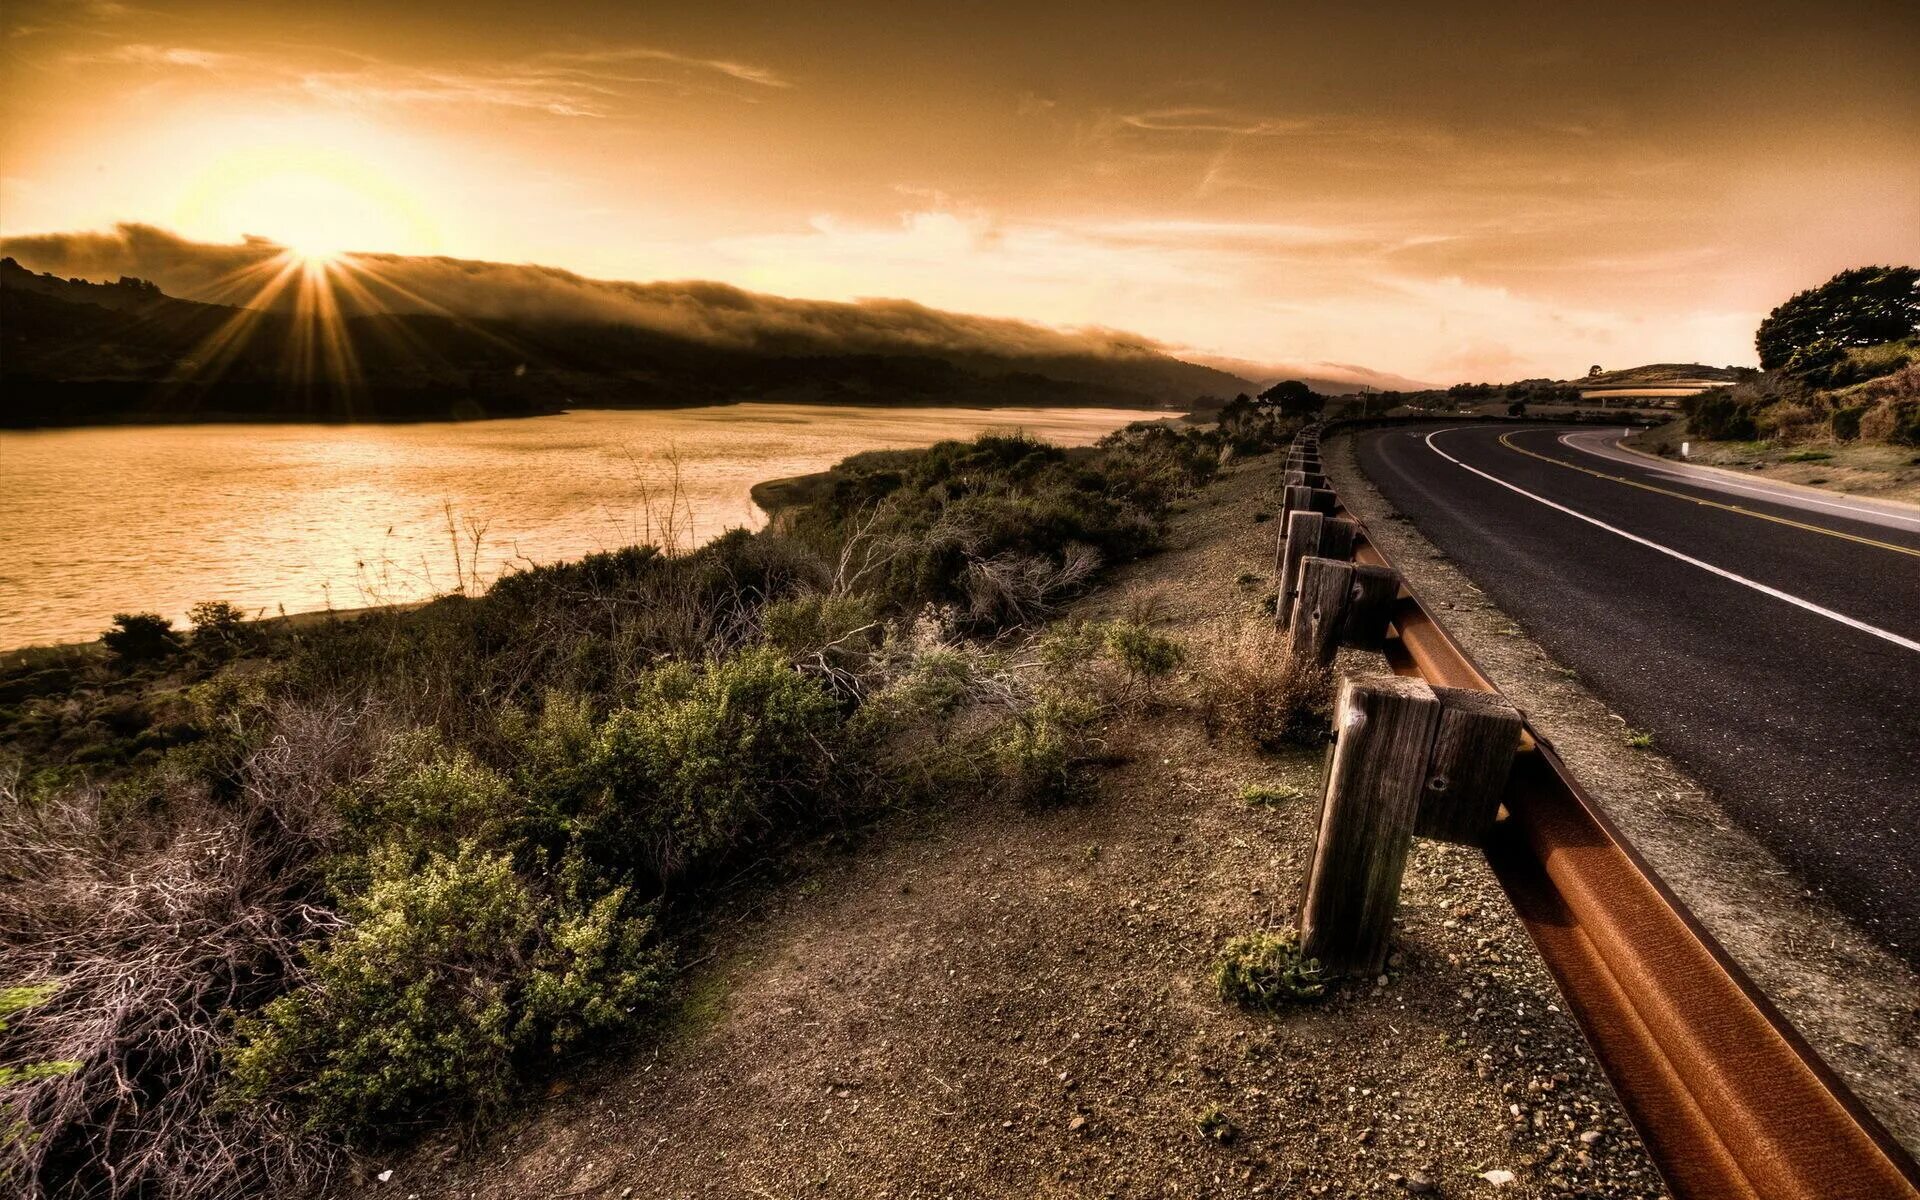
point(813, 623)
point(702, 761)
point(1042, 751)
point(1141, 652)
point(219, 628)
point(426, 795)
point(409, 1010)
point(141, 638)
point(1266, 971)
point(449, 974)
point(1717, 415)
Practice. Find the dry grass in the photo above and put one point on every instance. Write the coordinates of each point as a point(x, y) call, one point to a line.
point(1244, 684)
point(154, 928)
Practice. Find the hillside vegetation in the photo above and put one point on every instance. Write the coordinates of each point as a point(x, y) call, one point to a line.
point(1842, 363)
point(277, 890)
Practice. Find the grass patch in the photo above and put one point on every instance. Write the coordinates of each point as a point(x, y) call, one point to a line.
point(1262, 795)
point(1639, 739)
point(1266, 972)
point(1213, 1124)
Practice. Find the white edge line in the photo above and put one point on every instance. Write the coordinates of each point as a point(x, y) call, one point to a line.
point(1708, 567)
point(1714, 482)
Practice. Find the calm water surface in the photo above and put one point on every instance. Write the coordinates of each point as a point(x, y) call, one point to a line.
point(99, 521)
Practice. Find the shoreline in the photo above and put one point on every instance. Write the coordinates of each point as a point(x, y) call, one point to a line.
point(161, 421)
point(772, 497)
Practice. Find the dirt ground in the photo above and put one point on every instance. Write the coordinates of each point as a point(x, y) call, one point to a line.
point(994, 1002)
point(1853, 1000)
point(1858, 468)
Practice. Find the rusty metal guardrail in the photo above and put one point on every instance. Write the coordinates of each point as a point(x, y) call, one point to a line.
point(1728, 1098)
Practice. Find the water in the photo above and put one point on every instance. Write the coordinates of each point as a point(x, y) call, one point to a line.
point(304, 517)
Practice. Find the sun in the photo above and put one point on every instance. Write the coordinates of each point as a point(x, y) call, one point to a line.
point(321, 204)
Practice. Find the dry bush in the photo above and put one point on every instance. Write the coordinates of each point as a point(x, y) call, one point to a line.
point(1244, 684)
point(1014, 589)
point(153, 932)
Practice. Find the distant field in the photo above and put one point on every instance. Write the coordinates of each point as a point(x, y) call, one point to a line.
point(1678, 389)
point(1691, 377)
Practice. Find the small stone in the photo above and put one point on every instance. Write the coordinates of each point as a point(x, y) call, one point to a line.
point(1421, 1184)
point(385, 1175)
point(1076, 1125)
point(1497, 1177)
point(1590, 1136)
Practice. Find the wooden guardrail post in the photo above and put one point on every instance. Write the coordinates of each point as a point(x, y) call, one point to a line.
point(1473, 749)
point(1307, 535)
point(1383, 730)
point(1305, 499)
point(1330, 602)
point(1300, 538)
point(1319, 602)
point(1369, 605)
point(1408, 760)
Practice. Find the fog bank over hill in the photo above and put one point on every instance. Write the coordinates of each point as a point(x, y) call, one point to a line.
point(709, 314)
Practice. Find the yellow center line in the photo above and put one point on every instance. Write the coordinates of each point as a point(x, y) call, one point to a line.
point(1732, 508)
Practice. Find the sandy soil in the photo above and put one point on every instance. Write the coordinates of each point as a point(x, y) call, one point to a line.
point(991, 1002)
point(1854, 1001)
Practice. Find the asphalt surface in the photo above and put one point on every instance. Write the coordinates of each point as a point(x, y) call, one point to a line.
point(1768, 637)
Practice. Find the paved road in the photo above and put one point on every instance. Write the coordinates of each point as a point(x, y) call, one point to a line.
point(1768, 637)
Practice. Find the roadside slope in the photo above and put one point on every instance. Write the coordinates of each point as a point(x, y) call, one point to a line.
point(993, 1002)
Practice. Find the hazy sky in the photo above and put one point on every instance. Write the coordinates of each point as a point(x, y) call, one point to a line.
point(1444, 190)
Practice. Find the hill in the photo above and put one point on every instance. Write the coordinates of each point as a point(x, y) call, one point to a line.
point(421, 338)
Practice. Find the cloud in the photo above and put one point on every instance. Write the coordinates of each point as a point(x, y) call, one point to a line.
point(1198, 119)
point(592, 84)
point(745, 72)
point(144, 55)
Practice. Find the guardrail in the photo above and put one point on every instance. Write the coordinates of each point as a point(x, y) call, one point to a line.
point(1727, 1097)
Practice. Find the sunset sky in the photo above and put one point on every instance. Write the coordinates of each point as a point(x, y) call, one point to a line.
point(1443, 191)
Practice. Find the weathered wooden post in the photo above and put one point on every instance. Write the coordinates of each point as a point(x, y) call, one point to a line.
point(1333, 603)
point(1307, 535)
point(1408, 760)
point(1383, 730)
point(1320, 600)
point(1473, 749)
point(1299, 538)
point(1306, 499)
point(1370, 605)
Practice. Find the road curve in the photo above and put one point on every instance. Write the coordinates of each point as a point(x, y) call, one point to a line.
point(1768, 638)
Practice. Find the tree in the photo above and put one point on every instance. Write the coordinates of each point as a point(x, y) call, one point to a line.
point(1517, 409)
point(1865, 306)
point(1593, 370)
point(219, 628)
point(141, 637)
point(1294, 398)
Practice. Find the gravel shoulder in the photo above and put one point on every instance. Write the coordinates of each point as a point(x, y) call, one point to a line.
point(1854, 1001)
point(995, 1002)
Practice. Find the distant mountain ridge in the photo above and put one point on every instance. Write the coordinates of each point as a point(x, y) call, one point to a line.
point(78, 352)
point(439, 337)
